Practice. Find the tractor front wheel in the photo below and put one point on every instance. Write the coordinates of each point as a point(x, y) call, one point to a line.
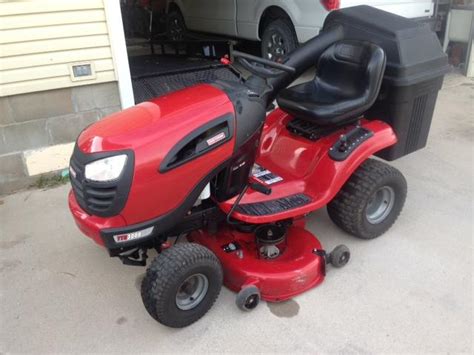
point(181, 284)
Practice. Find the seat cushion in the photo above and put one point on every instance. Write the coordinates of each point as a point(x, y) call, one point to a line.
point(312, 102)
point(347, 83)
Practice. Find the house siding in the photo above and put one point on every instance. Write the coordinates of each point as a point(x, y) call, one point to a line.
point(42, 109)
point(39, 40)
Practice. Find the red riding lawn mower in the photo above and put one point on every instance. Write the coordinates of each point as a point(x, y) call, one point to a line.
point(209, 163)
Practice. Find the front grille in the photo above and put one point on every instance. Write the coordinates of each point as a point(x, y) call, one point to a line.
point(103, 199)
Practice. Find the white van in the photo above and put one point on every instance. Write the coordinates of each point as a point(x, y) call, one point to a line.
point(279, 24)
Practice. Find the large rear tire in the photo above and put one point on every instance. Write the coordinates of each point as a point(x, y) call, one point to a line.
point(370, 201)
point(182, 284)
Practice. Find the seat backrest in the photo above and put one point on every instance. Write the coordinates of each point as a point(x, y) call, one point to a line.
point(352, 68)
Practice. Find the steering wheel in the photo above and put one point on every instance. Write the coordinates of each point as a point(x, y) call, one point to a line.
point(250, 62)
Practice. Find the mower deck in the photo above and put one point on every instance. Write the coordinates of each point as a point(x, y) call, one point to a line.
point(300, 267)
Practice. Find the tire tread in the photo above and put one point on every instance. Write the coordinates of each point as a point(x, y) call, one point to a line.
point(173, 261)
point(347, 209)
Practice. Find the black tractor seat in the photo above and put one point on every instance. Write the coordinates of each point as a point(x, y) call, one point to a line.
point(347, 82)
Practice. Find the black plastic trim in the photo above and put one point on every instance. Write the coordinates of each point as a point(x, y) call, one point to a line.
point(86, 190)
point(349, 142)
point(273, 206)
point(250, 111)
point(167, 164)
point(309, 130)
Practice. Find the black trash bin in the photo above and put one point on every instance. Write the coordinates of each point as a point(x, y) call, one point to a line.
point(416, 65)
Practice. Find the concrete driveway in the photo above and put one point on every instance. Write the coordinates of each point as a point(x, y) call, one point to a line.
point(407, 291)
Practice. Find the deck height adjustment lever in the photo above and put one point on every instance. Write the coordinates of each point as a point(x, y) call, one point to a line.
point(343, 143)
point(348, 142)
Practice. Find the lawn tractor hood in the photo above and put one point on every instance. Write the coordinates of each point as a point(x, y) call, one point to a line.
point(166, 147)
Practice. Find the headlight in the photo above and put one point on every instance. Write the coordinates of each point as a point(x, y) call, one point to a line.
point(106, 169)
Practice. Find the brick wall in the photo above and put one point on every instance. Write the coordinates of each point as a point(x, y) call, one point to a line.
point(30, 122)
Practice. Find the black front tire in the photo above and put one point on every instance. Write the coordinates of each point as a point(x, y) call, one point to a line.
point(278, 40)
point(165, 278)
point(353, 208)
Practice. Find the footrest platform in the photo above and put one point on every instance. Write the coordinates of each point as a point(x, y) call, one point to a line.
point(273, 206)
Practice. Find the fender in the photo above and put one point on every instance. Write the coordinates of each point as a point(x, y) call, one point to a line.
point(336, 173)
point(306, 167)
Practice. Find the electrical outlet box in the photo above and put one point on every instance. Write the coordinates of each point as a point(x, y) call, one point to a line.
point(82, 71)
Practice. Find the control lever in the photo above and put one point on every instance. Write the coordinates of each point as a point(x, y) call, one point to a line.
point(260, 188)
point(343, 143)
point(349, 142)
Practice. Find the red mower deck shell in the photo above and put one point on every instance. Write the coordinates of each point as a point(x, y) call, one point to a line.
point(295, 271)
point(306, 166)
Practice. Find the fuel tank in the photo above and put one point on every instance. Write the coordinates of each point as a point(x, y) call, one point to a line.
point(173, 143)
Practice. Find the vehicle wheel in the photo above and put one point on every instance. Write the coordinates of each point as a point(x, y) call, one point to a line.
point(181, 284)
point(370, 201)
point(248, 298)
point(175, 26)
point(339, 256)
point(278, 40)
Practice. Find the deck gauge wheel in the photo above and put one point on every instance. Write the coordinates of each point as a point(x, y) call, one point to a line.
point(340, 256)
point(248, 298)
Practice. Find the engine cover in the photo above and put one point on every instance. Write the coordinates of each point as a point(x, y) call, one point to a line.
point(176, 141)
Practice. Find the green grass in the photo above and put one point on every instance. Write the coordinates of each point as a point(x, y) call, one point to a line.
point(48, 181)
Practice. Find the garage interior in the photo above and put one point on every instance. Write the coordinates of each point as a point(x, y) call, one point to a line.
point(162, 62)
point(158, 64)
